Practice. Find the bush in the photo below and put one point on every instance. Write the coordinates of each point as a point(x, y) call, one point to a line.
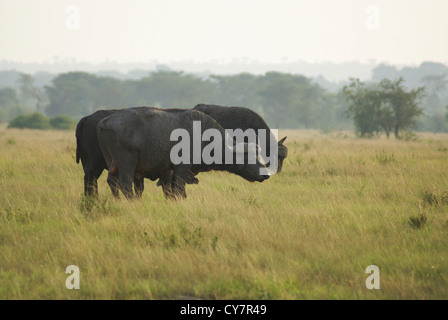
point(34, 120)
point(37, 120)
point(418, 222)
point(62, 122)
point(435, 198)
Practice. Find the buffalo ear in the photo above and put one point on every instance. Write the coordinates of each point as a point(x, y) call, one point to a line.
point(281, 141)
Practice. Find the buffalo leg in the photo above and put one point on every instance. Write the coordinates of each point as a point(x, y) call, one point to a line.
point(125, 181)
point(91, 180)
point(126, 167)
point(180, 176)
point(166, 180)
point(90, 186)
point(192, 179)
point(112, 180)
point(123, 164)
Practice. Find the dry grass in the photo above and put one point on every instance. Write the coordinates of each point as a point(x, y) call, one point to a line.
point(340, 205)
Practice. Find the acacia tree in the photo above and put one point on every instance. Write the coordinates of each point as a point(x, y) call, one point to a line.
point(389, 106)
point(386, 118)
point(364, 107)
point(32, 92)
point(404, 104)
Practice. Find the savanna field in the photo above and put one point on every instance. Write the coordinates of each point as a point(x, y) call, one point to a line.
point(340, 204)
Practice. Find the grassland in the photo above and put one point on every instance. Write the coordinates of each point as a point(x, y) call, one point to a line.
point(340, 204)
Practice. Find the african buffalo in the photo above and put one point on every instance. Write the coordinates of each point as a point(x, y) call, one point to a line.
point(136, 143)
point(92, 159)
point(243, 118)
point(89, 152)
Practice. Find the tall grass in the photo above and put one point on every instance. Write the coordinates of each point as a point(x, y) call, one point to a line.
point(340, 204)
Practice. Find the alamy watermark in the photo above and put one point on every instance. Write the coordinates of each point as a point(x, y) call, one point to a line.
point(72, 281)
point(233, 144)
point(72, 20)
point(373, 281)
point(373, 17)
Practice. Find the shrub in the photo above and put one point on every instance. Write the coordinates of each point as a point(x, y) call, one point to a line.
point(435, 198)
point(62, 122)
point(385, 158)
point(418, 222)
point(93, 208)
point(37, 120)
point(34, 120)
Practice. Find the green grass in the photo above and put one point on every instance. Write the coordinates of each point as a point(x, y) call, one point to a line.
point(340, 204)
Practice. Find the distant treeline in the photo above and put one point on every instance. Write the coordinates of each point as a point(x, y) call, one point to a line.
point(284, 100)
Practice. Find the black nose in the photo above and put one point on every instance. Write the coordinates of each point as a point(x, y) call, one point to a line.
point(264, 177)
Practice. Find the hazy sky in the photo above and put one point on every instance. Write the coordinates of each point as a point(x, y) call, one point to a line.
point(394, 31)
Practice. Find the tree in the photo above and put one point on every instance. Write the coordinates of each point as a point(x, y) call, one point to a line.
point(435, 85)
point(382, 71)
point(365, 107)
point(433, 123)
point(32, 93)
point(9, 103)
point(72, 93)
point(172, 89)
point(238, 90)
point(290, 100)
point(404, 103)
point(388, 106)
